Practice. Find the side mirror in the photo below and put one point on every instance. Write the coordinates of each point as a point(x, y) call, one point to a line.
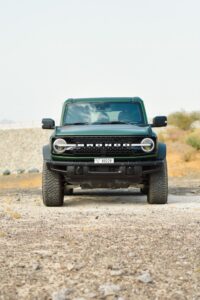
point(160, 121)
point(48, 123)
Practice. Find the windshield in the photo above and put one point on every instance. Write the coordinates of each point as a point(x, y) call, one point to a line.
point(103, 113)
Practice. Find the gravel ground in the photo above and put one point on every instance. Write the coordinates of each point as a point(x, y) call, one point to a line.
point(100, 245)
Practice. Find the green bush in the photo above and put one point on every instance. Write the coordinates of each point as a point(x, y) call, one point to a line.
point(183, 119)
point(194, 140)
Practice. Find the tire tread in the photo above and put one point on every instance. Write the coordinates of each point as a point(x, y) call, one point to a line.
point(52, 187)
point(158, 186)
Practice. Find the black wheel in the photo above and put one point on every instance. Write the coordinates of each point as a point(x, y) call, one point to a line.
point(158, 186)
point(52, 187)
point(68, 191)
point(144, 190)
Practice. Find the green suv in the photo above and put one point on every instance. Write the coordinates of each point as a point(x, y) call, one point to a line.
point(104, 143)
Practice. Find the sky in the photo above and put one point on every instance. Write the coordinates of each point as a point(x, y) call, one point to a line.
point(51, 50)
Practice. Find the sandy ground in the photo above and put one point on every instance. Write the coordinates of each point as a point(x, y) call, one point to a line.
point(101, 245)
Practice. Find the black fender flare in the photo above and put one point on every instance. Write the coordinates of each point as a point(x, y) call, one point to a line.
point(46, 152)
point(162, 151)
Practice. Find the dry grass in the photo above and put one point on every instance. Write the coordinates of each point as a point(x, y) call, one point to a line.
point(15, 215)
point(12, 214)
point(183, 119)
point(23, 181)
point(179, 165)
point(183, 159)
point(188, 155)
point(172, 134)
point(193, 139)
point(2, 234)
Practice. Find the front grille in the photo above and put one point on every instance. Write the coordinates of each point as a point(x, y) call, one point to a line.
point(104, 150)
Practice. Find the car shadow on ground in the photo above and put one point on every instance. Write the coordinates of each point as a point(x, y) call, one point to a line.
point(107, 192)
point(132, 196)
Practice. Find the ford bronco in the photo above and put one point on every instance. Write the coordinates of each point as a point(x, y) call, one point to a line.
point(104, 143)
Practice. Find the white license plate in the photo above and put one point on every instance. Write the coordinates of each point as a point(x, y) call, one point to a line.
point(104, 161)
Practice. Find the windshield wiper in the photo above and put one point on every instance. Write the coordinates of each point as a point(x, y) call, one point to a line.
point(77, 123)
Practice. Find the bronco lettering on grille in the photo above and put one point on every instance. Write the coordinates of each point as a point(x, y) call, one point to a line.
point(103, 145)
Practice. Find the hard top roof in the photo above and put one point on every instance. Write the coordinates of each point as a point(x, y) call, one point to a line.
point(104, 99)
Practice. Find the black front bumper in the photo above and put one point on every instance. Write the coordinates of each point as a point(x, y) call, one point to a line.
point(118, 170)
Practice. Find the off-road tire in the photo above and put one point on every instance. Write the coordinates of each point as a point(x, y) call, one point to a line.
point(52, 187)
point(158, 186)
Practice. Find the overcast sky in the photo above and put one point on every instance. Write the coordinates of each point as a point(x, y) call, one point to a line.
point(51, 50)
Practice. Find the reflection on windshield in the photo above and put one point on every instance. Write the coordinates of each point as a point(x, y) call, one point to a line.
point(103, 113)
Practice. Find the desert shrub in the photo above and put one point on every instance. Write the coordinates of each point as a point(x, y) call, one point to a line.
point(183, 119)
point(171, 134)
point(188, 155)
point(174, 134)
point(193, 140)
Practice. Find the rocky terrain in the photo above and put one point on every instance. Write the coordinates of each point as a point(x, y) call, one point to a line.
point(102, 244)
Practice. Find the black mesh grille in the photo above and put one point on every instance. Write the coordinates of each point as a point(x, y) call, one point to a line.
point(104, 151)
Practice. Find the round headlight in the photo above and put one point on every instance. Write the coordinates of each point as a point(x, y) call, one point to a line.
point(147, 145)
point(59, 146)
